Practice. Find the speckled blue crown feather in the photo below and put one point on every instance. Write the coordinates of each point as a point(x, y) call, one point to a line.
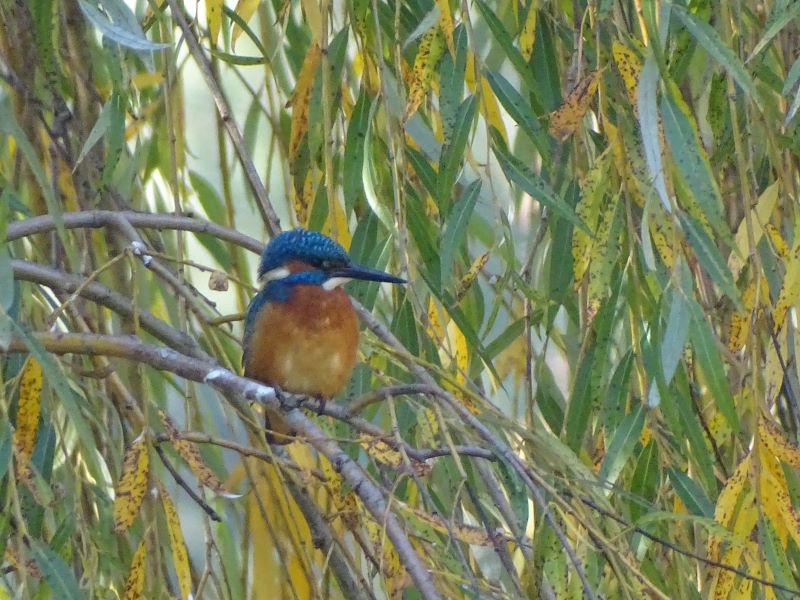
point(300, 244)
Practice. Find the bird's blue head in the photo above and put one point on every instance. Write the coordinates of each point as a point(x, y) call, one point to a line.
point(308, 257)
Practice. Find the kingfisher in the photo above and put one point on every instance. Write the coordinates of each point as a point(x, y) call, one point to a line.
point(301, 331)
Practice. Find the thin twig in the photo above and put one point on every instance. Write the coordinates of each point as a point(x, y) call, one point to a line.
point(212, 514)
point(237, 390)
point(268, 213)
point(688, 553)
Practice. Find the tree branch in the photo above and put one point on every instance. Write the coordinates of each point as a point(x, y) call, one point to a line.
point(237, 390)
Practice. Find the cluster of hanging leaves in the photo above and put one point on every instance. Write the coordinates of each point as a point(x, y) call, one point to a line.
point(596, 212)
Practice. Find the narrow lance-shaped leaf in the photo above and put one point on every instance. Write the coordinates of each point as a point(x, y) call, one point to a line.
point(706, 349)
point(132, 484)
point(457, 226)
point(28, 407)
point(430, 50)
point(693, 164)
point(452, 156)
point(58, 575)
point(180, 558)
point(621, 446)
point(189, 452)
point(710, 257)
point(648, 124)
point(134, 585)
point(629, 67)
point(527, 35)
point(566, 118)
point(122, 32)
point(709, 39)
point(528, 181)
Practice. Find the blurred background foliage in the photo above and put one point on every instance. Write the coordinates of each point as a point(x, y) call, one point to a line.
point(593, 201)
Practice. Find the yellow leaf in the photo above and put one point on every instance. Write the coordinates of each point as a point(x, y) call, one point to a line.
point(790, 289)
point(791, 518)
point(313, 14)
point(336, 225)
point(189, 452)
point(30, 566)
point(745, 521)
point(602, 253)
point(490, 109)
point(28, 408)
point(777, 443)
point(179, 555)
point(759, 215)
point(740, 321)
point(770, 473)
point(780, 245)
point(428, 426)
point(300, 98)
point(214, 16)
point(244, 9)
point(475, 536)
point(132, 484)
point(588, 210)
point(566, 118)
point(388, 560)
point(379, 450)
point(434, 329)
point(459, 344)
point(134, 586)
point(446, 23)
point(629, 67)
point(302, 200)
point(430, 50)
point(469, 278)
point(726, 503)
point(527, 36)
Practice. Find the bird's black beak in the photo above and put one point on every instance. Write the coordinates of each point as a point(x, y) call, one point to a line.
point(354, 271)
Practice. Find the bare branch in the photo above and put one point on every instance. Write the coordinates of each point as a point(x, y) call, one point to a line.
point(237, 390)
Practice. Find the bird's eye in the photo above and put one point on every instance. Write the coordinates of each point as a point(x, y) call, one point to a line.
point(327, 264)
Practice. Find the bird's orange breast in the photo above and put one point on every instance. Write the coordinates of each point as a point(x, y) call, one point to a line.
point(307, 345)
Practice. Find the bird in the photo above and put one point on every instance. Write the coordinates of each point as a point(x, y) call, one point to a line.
point(301, 331)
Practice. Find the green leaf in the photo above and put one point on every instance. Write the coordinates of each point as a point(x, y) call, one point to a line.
point(776, 556)
point(709, 39)
point(370, 176)
point(616, 396)
point(693, 165)
point(580, 402)
point(209, 198)
point(239, 59)
point(123, 30)
point(777, 23)
point(645, 480)
point(707, 354)
point(452, 155)
point(6, 280)
point(529, 182)
point(456, 228)
point(648, 124)
point(519, 110)
point(690, 493)
point(506, 42)
point(621, 446)
point(97, 132)
point(675, 334)
point(55, 571)
point(353, 168)
point(5, 448)
point(710, 257)
point(451, 84)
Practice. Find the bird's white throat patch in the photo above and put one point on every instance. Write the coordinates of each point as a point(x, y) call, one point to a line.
point(334, 282)
point(279, 273)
